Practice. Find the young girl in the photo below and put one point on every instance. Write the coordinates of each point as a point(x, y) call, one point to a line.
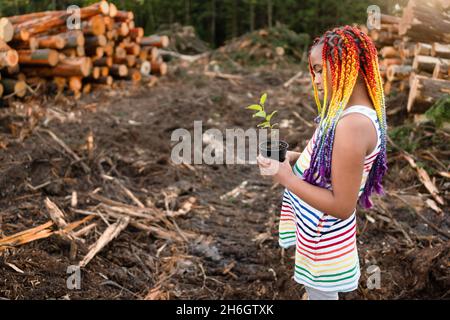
point(345, 160)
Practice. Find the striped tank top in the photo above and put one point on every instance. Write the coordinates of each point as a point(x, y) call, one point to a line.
point(326, 257)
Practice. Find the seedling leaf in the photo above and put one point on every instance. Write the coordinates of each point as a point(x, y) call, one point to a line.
point(270, 115)
point(256, 107)
point(263, 99)
point(261, 114)
point(265, 124)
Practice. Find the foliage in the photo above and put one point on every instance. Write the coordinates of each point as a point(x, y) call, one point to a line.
point(439, 113)
point(217, 21)
point(262, 113)
point(404, 136)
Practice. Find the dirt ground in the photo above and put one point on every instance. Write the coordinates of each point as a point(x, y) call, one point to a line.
point(226, 248)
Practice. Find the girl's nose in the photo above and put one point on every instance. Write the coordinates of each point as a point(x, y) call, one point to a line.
point(318, 81)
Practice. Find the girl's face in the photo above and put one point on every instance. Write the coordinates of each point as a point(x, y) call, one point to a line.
point(316, 62)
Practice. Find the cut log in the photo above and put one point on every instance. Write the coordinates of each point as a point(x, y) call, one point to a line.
point(423, 49)
point(6, 30)
point(143, 55)
point(51, 42)
point(441, 71)
point(87, 87)
point(390, 61)
point(389, 52)
point(388, 19)
point(31, 16)
point(21, 35)
point(108, 80)
point(46, 57)
point(136, 33)
point(104, 71)
point(120, 52)
point(30, 44)
point(101, 7)
point(122, 28)
point(398, 72)
point(96, 52)
point(155, 41)
point(75, 84)
point(384, 37)
point(13, 86)
point(112, 35)
point(95, 72)
point(70, 67)
point(103, 62)
point(427, 64)
point(41, 25)
point(406, 49)
point(118, 70)
point(45, 47)
point(133, 48)
point(74, 52)
point(95, 26)
point(145, 68)
point(8, 56)
point(425, 91)
point(109, 49)
point(425, 21)
point(134, 75)
point(95, 41)
point(112, 10)
point(154, 54)
point(159, 67)
point(124, 16)
point(440, 50)
point(129, 60)
point(109, 23)
point(73, 39)
point(125, 42)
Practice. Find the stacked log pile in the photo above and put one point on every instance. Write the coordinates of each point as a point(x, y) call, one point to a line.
point(414, 52)
point(50, 48)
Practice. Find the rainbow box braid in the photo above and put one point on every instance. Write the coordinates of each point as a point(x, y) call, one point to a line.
point(347, 51)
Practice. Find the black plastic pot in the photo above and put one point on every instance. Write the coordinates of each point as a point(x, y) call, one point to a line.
point(275, 150)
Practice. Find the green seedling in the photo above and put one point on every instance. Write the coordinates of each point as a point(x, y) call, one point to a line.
point(262, 113)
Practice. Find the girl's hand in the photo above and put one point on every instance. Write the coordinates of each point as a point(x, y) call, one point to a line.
point(292, 156)
point(279, 171)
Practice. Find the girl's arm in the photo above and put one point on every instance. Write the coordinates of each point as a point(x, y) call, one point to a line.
point(349, 149)
point(292, 156)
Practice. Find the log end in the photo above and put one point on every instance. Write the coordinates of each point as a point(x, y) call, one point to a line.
point(104, 7)
point(112, 10)
point(6, 30)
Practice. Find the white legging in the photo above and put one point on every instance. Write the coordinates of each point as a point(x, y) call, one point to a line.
point(314, 294)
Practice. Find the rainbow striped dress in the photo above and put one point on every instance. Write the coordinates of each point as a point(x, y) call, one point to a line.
point(326, 257)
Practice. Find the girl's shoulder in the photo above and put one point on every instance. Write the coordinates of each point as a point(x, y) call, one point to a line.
point(360, 127)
